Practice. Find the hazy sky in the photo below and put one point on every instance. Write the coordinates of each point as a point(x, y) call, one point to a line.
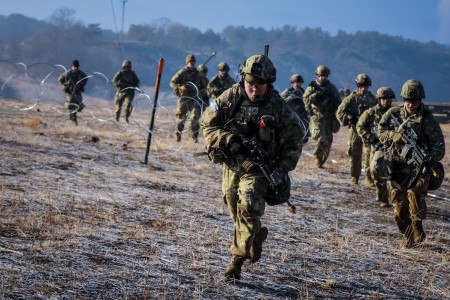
point(423, 20)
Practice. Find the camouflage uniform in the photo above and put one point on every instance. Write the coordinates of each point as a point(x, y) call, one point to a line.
point(321, 100)
point(73, 82)
point(204, 93)
point(218, 84)
point(348, 113)
point(189, 102)
point(367, 128)
point(246, 192)
point(294, 98)
point(125, 82)
point(409, 204)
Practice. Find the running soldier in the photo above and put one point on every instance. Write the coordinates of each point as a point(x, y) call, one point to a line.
point(402, 130)
point(294, 98)
point(126, 82)
point(187, 84)
point(321, 100)
point(367, 128)
point(257, 110)
point(73, 82)
point(348, 113)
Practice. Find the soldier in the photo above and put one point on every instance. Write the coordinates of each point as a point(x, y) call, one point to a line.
point(220, 82)
point(73, 82)
point(348, 113)
point(367, 128)
point(321, 100)
point(203, 69)
point(260, 113)
point(125, 81)
point(399, 129)
point(294, 97)
point(187, 84)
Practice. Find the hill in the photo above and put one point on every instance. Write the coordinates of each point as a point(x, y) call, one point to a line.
point(82, 217)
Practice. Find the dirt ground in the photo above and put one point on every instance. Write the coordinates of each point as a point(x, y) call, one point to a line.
point(83, 217)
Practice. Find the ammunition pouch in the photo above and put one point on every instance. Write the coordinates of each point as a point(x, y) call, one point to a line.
point(281, 193)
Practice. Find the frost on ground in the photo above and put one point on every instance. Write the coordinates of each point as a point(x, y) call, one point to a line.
point(82, 217)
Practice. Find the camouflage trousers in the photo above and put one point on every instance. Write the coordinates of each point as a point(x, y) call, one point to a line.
point(355, 151)
point(188, 108)
point(244, 194)
point(409, 205)
point(122, 99)
point(74, 103)
point(322, 134)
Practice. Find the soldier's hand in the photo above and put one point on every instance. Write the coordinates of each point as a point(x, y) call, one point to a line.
point(184, 90)
point(234, 146)
point(249, 164)
point(398, 138)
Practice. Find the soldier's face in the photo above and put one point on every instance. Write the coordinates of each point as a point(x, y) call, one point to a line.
point(296, 85)
point(385, 102)
point(255, 88)
point(322, 77)
point(411, 105)
point(362, 89)
point(191, 64)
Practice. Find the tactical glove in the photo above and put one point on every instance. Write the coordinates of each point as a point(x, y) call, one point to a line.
point(234, 146)
point(398, 138)
point(249, 164)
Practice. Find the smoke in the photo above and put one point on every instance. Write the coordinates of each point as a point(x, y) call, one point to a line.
point(444, 21)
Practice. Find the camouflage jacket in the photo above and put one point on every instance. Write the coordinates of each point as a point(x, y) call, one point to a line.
point(353, 106)
point(186, 75)
point(429, 133)
point(321, 98)
point(217, 85)
point(282, 141)
point(73, 81)
point(294, 98)
point(367, 126)
point(124, 79)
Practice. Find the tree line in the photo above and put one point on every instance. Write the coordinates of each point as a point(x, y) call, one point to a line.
point(388, 60)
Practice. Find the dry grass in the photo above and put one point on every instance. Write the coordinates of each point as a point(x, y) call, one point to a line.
point(81, 217)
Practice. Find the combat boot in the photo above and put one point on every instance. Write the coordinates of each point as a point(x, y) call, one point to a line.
point(369, 182)
point(385, 204)
point(354, 180)
point(233, 271)
point(256, 248)
point(417, 232)
point(408, 240)
point(178, 137)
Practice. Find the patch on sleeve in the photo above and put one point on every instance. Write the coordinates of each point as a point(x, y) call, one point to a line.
point(213, 106)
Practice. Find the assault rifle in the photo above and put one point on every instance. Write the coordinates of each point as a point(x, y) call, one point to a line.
point(419, 158)
point(259, 155)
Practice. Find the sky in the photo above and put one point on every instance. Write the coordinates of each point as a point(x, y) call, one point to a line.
point(422, 20)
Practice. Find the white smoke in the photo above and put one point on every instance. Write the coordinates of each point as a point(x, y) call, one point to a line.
point(444, 21)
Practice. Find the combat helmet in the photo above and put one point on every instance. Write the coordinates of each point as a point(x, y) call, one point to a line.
point(296, 78)
point(260, 66)
point(363, 80)
point(323, 70)
point(385, 92)
point(126, 63)
point(223, 66)
point(202, 68)
point(412, 89)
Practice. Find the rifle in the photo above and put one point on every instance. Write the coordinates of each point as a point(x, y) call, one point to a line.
point(419, 157)
point(209, 58)
point(259, 155)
